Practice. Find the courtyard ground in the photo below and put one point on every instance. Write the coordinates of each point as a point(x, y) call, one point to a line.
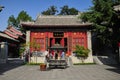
point(14, 70)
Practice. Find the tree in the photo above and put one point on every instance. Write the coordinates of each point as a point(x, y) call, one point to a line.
point(25, 47)
point(22, 16)
point(73, 11)
point(1, 8)
point(65, 10)
point(105, 21)
point(12, 21)
point(52, 10)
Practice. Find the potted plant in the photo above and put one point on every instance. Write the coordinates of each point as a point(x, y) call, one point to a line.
point(81, 52)
point(42, 66)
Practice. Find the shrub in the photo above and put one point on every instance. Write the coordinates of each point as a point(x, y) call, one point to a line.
point(81, 52)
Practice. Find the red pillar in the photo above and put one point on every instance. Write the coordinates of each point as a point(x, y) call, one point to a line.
point(53, 41)
point(62, 42)
point(85, 40)
point(69, 42)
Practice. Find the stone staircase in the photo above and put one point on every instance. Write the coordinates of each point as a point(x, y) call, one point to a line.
point(15, 60)
point(104, 60)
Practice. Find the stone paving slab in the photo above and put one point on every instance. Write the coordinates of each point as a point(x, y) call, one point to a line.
point(79, 72)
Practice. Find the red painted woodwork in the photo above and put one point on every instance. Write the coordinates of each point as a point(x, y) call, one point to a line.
point(62, 42)
point(11, 34)
point(72, 39)
point(79, 38)
point(53, 41)
point(40, 39)
point(15, 31)
point(65, 34)
point(119, 44)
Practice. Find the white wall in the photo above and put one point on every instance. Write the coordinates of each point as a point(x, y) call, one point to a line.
point(27, 38)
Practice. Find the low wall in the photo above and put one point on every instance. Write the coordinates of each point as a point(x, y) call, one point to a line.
point(89, 59)
point(37, 60)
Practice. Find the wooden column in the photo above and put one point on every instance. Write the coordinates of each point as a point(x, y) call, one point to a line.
point(62, 42)
point(46, 36)
point(53, 41)
point(69, 42)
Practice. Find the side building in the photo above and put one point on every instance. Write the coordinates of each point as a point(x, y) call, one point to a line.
point(10, 39)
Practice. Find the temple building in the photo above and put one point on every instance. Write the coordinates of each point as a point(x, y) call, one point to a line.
point(62, 32)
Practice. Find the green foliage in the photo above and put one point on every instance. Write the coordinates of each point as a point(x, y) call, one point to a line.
point(12, 21)
point(81, 51)
point(100, 12)
point(73, 11)
point(50, 11)
point(33, 44)
point(1, 8)
point(65, 10)
point(105, 21)
point(23, 16)
point(15, 22)
point(22, 49)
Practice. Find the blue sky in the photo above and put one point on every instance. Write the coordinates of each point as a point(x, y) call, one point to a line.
point(35, 7)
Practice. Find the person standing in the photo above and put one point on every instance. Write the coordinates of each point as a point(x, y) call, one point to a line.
point(63, 55)
point(56, 55)
point(50, 55)
point(68, 59)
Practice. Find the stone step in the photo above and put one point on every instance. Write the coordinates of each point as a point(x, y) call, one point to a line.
point(104, 60)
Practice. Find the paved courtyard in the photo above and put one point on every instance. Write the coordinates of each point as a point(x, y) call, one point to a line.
point(15, 71)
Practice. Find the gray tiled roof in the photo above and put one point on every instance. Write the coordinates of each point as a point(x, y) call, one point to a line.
point(6, 36)
point(57, 20)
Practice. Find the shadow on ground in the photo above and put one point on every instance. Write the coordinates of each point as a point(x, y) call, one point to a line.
point(115, 68)
point(11, 64)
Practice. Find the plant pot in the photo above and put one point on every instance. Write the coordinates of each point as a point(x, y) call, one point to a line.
point(43, 67)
